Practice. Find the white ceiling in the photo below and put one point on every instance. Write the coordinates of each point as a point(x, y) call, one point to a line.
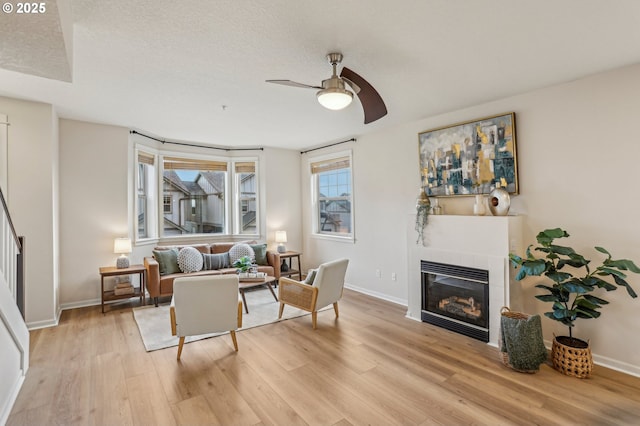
point(168, 67)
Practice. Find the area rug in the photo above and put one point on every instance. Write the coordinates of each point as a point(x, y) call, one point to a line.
point(155, 326)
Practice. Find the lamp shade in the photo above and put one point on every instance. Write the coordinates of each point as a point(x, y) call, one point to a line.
point(122, 245)
point(334, 98)
point(281, 236)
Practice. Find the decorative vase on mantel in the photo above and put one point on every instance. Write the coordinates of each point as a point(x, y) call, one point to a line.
point(479, 205)
point(499, 201)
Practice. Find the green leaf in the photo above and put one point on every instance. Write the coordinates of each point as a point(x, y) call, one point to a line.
point(585, 312)
point(587, 304)
point(604, 271)
point(606, 285)
point(625, 284)
point(595, 300)
point(534, 267)
point(546, 287)
point(570, 262)
point(528, 253)
point(559, 277)
point(575, 286)
point(521, 274)
point(602, 250)
point(547, 236)
point(624, 264)
point(566, 251)
point(515, 259)
point(546, 297)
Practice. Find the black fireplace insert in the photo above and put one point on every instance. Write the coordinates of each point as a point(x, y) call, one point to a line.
point(456, 298)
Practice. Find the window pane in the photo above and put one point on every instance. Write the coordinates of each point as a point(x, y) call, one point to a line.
point(142, 217)
point(334, 201)
point(198, 201)
point(247, 203)
point(146, 171)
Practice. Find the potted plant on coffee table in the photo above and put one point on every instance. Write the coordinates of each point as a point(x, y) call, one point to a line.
point(243, 264)
point(570, 293)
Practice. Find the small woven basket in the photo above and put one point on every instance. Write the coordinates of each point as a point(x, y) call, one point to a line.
point(576, 362)
point(504, 356)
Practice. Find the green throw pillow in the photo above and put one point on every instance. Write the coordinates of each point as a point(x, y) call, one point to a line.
point(167, 261)
point(311, 276)
point(261, 253)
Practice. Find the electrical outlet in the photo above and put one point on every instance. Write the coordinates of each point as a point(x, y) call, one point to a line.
point(393, 276)
point(378, 273)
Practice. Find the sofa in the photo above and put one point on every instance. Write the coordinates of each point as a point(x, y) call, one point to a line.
point(161, 284)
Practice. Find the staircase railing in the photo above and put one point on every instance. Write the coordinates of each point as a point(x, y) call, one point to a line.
point(12, 257)
point(14, 335)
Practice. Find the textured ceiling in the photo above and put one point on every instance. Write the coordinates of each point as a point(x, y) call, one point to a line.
point(169, 67)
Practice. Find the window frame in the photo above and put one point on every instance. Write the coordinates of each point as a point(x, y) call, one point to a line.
point(156, 200)
point(146, 183)
point(316, 232)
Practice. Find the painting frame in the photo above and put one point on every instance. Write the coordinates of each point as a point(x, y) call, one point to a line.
point(470, 158)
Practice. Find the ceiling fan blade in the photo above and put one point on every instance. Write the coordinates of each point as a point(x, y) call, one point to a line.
point(372, 103)
point(293, 84)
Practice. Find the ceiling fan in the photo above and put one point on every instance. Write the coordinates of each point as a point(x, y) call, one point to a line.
point(333, 93)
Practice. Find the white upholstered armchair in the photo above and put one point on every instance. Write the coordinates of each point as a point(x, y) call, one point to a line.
point(326, 289)
point(205, 304)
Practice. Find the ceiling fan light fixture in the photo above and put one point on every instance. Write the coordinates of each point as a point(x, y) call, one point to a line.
point(334, 98)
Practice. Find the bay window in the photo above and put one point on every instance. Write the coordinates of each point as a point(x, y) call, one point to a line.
point(196, 195)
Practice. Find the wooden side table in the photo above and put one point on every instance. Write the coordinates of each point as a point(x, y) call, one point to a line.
point(112, 271)
point(290, 255)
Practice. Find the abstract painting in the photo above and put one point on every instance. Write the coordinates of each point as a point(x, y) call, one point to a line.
point(470, 158)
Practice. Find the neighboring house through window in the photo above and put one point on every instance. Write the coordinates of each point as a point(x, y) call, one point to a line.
point(332, 195)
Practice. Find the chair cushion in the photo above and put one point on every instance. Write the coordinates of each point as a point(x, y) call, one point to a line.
point(260, 251)
point(167, 261)
point(190, 260)
point(216, 261)
point(239, 250)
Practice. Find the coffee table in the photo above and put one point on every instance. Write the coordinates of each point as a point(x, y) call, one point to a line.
point(246, 283)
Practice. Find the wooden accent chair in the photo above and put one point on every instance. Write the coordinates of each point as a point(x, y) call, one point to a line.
point(205, 304)
point(326, 289)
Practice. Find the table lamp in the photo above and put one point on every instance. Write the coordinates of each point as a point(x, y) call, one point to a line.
point(122, 246)
point(281, 237)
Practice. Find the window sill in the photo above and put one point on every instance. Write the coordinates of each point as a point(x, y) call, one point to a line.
point(337, 238)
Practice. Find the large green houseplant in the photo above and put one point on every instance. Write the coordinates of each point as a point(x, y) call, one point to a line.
point(570, 293)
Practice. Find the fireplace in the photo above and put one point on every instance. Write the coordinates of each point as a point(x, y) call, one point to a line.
point(456, 298)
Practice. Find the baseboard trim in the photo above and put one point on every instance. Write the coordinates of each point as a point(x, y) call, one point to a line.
point(376, 295)
point(11, 400)
point(80, 304)
point(35, 325)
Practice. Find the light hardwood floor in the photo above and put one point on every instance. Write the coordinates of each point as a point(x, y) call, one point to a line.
point(370, 366)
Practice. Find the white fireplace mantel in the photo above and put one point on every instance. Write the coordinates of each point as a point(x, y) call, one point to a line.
point(482, 242)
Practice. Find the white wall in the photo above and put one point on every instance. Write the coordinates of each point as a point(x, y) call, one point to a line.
point(281, 186)
point(94, 171)
point(33, 146)
point(577, 156)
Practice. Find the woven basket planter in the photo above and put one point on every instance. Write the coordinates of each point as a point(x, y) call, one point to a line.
point(572, 361)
